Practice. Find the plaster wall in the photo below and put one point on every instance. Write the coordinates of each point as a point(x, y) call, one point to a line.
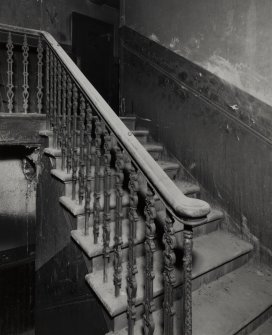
point(52, 16)
point(229, 38)
point(17, 203)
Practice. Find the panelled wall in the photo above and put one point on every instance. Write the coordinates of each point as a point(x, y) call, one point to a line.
point(221, 134)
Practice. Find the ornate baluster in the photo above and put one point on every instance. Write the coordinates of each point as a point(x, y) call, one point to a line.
point(74, 142)
point(69, 125)
point(10, 86)
point(81, 132)
point(55, 122)
point(97, 194)
point(48, 111)
point(132, 267)
point(169, 241)
point(187, 265)
point(40, 75)
point(64, 121)
point(89, 118)
point(107, 186)
point(59, 97)
point(119, 178)
point(25, 49)
point(150, 247)
point(51, 76)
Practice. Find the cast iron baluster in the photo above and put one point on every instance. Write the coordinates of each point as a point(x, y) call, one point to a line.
point(107, 186)
point(119, 178)
point(74, 142)
point(81, 132)
point(169, 241)
point(132, 267)
point(48, 111)
point(89, 177)
point(150, 247)
point(70, 126)
point(97, 194)
point(40, 75)
point(10, 86)
point(187, 265)
point(25, 49)
point(64, 121)
point(51, 76)
point(55, 129)
point(59, 136)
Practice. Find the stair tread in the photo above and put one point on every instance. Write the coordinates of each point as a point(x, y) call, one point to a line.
point(140, 132)
point(187, 187)
point(92, 250)
point(52, 152)
point(76, 209)
point(61, 175)
point(165, 165)
point(153, 147)
point(264, 329)
point(46, 133)
point(128, 117)
point(210, 251)
point(239, 297)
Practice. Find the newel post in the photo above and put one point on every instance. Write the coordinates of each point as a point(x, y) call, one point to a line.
point(187, 266)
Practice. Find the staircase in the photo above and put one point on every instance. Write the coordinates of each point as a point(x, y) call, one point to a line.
point(225, 279)
point(159, 259)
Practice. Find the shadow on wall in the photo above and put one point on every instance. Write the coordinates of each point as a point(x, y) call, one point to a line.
point(17, 197)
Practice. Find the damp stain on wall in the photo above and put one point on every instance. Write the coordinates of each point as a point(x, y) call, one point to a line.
point(230, 39)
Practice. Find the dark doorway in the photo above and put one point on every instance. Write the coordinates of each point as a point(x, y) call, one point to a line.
point(93, 49)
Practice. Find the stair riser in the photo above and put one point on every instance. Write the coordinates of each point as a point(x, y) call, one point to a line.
point(49, 139)
point(155, 154)
point(172, 173)
point(68, 186)
point(130, 123)
point(120, 321)
point(207, 228)
point(81, 218)
point(97, 263)
point(142, 138)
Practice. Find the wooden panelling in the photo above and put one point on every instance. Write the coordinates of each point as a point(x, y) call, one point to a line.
point(221, 134)
point(21, 128)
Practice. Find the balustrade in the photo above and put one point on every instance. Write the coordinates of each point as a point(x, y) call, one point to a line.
point(105, 163)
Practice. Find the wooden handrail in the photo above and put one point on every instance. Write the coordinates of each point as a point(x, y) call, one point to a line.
point(181, 206)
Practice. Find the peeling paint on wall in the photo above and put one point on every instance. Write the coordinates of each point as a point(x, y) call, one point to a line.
point(232, 39)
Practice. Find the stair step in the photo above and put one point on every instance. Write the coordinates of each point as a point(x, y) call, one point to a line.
point(264, 329)
point(187, 187)
point(142, 135)
point(93, 250)
point(76, 209)
point(86, 242)
point(213, 220)
point(155, 150)
point(170, 168)
point(52, 152)
point(225, 306)
point(129, 121)
point(210, 252)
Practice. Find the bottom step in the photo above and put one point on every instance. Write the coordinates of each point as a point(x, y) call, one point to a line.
point(225, 307)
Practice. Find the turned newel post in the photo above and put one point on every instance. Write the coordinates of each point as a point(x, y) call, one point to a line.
point(187, 265)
